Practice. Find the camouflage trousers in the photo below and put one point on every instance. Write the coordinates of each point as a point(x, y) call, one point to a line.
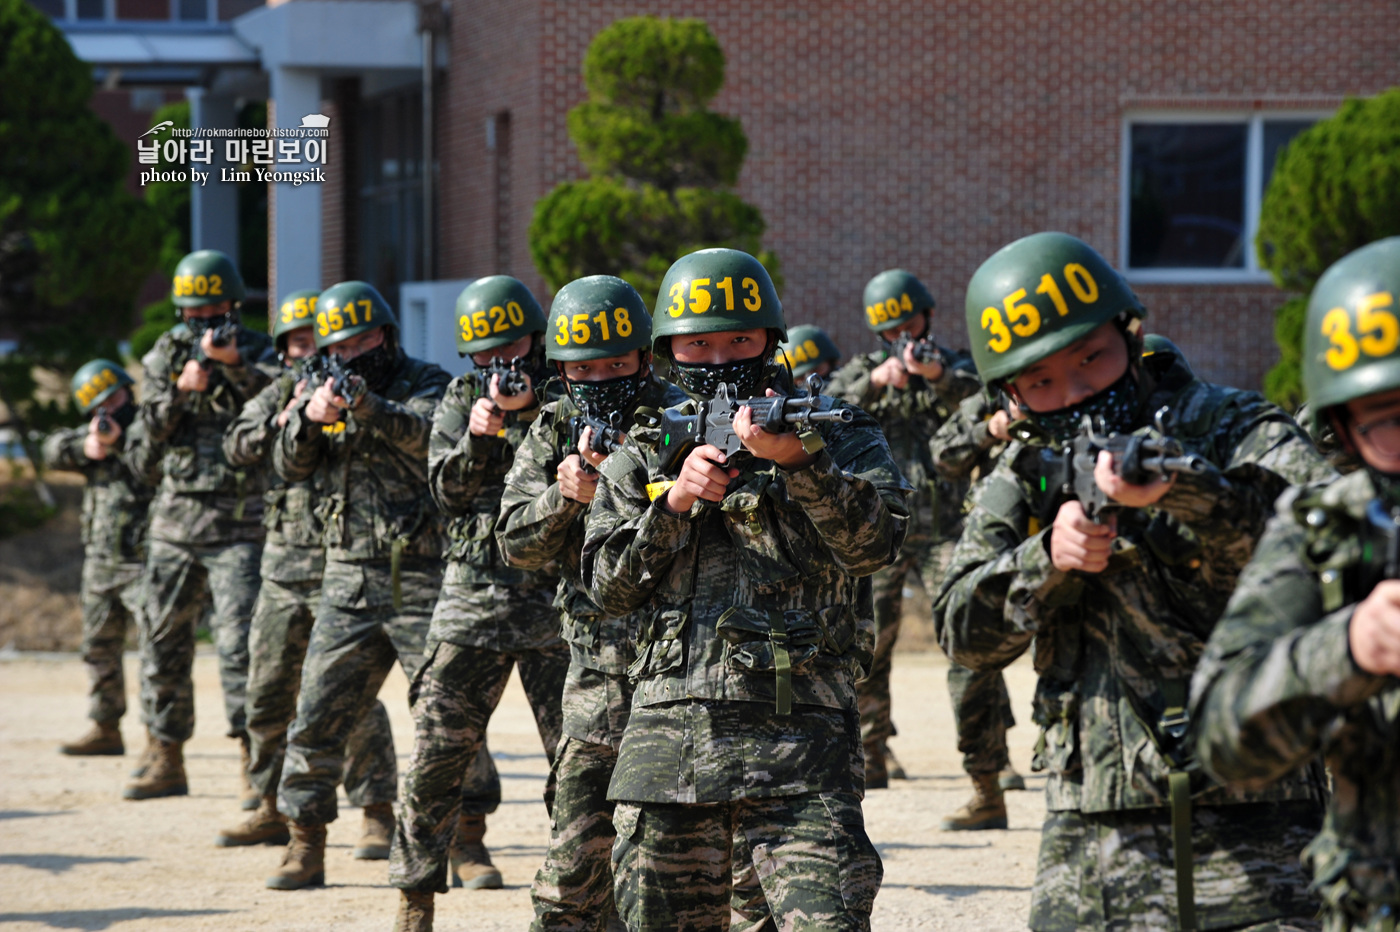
point(816, 867)
point(452, 699)
point(350, 652)
point(1114, 870)
point(982, 714)
point(282, 620)
point(573, 888)
point(113, 599)
point(182, 583)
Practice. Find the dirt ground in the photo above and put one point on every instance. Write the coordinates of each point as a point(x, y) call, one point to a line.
point(73, 855)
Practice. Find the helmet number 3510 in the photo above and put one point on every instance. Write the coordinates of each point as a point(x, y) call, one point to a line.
point(1024, 318)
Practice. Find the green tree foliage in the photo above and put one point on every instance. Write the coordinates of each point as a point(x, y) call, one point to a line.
point(661, 165)
point(171, 202)
point(1335, 188)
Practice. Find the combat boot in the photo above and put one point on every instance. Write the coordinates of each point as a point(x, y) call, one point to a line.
point(304, 863)
point(163, 776)
point(248, 798)
point(893, 766)
point(103, 739)
point(415, 912)
point(876, 775)
point(266, 826)
point(471, 862)
point(148, 754)
point(1009, 779)
point(986, 809)
point(376, 836)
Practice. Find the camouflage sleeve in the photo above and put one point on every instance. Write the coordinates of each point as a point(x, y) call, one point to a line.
point(63, 449)
point(959, 378)
point(960, 443)
point(162, 403)
point(630, 542)
point(300, 446)
point(855, 498)
point(406, 424)
point(535, 518)
point(851, 383)
point(456, 459)
point(1277, 671)
point(248, 440)
point(257, 368)
point(1226, 506)
point(1000, 587)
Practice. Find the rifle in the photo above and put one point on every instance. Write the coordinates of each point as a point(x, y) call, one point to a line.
point(713, 421)
point(104, 423)
point(925, 350)
point(512, 374)
point(1383, 537)
point(1136, 458)
point(606, 436)
point(312, 369)
point(344, 383)
point(221, 336)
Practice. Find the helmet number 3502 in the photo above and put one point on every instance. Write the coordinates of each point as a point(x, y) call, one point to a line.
point(201, 285)
point(1379, 328)
point(700, 297)
point(1024, 318)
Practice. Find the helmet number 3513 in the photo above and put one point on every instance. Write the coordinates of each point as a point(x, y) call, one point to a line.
point(700, 296)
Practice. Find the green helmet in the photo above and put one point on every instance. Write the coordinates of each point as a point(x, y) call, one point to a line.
point(206, 277)
point(95, 382)
point(1351, 341)
point(808, 346)
point(596, 317)
point(1035, 297)
point(297, 310)
point(714, 290)
point(346, 309)
point(495, 311)
point(894, 296)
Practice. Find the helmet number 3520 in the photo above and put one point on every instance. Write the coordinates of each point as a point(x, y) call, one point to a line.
point(1023, 318)
point(700, 297)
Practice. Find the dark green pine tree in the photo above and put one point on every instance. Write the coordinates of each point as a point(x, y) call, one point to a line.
point(1335, 188)
point(661, 165)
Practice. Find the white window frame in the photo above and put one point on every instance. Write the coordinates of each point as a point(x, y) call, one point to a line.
point(70, 12)
point(1254, 121)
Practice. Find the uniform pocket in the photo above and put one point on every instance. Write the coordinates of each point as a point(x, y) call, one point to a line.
point(756, 641)
point(664, 648)
point(1056, 711)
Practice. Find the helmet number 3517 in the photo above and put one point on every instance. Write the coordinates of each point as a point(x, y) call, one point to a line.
point(1024, 318)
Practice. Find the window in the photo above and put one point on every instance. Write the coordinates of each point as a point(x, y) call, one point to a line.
point(390, 210)
point(1192, 188)
point(196, 10)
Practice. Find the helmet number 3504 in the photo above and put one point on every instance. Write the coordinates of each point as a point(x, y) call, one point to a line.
point(700, 297)
point(1379, 328)
point(1024, 318)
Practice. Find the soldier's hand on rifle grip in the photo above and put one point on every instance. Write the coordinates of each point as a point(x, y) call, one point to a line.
point(931, 370)
point(585, 449)
point(1374, 633)
point(97, 444)
point(193, 378)
point(486, 419)
point(227, 354)
point(703, 476)
point(890, 372)
point(515, 402)
point(325, 406)
point(575, 482)
point(1076, 543)
point(785, 449)
point(291, 403)
point(1124, 492)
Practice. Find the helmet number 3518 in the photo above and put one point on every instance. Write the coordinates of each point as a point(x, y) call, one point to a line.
point(1024, 318)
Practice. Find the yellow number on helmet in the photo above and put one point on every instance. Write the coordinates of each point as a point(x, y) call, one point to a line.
point(1000, 340)
point(1336, 326)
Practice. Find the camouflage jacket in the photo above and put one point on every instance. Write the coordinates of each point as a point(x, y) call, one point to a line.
point(751, 605)
point(963, 449)
point(116, 500)
point(373, 468)
point(294, 551)
point(1278, 685)
point(539, 527)
point(202, 498)
point(910, 417)
point(1115, 650)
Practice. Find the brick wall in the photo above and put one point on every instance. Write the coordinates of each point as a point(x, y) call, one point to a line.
point(920, 134)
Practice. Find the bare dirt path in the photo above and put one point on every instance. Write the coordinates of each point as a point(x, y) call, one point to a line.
point(73, 855)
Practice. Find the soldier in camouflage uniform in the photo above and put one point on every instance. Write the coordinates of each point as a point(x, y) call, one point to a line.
point(912, 399)
point(747, 567)
point(490, 616)
point(1118, 609)
point(115, 502)
point(606, 367)
point(206, 532)
point(1305, 659)
point(293, 560)
point(363, 442)
point(807, 349)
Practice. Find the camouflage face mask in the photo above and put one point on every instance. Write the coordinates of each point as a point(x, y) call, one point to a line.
point(1115, 407)
point(606, 396)
point(376, 366)
point(746, 375)
point(197, 325)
